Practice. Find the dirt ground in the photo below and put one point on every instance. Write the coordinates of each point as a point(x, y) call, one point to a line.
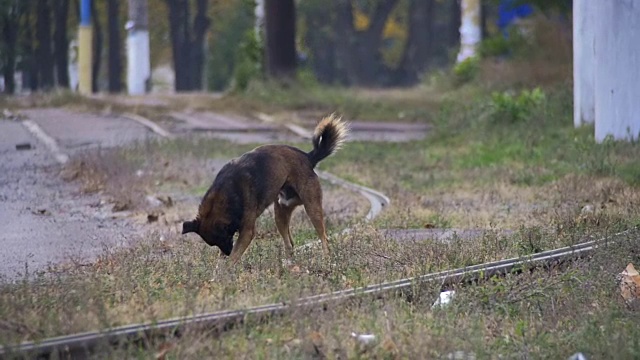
point(45, 219)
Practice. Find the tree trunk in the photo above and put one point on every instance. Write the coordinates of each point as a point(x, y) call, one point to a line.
point(31, 65)
point(370, 70)
point(280, 19)
point(43, 50)
point(345, 42)
point(177, 19)
point(418, 47)
point(322, 44)
point(115, 60)
point(61, 43)
point(98, 39)
point(200, 25)
point(188, 42)
point(454, 23)
point(10, 38)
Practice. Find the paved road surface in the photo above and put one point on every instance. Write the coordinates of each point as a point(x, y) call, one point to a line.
point(44, 219)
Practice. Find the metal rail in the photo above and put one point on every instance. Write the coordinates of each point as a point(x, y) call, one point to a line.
point(81, 345)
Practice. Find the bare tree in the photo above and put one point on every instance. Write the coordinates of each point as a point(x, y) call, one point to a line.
point(60, 41)
point(187, 40)
point(280, 21)
point(10, 22)
point(115, 60)
point(98, 40)
point(419, 42)
point(43, 49)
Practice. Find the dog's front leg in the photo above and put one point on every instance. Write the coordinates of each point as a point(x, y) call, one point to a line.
point(245, 236)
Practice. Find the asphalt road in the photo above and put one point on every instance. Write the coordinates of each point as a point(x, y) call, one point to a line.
point(43, 219)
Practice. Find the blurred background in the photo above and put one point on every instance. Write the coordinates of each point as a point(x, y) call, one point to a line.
point(222, 45)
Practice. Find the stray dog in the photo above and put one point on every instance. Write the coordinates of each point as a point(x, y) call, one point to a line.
point(278, 174)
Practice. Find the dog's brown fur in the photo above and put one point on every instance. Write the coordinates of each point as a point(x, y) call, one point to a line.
point(278, 174)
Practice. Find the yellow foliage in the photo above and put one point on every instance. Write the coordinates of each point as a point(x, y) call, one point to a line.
point(393, 29)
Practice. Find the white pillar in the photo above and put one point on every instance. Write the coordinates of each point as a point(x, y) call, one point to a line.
point(617, 75)
point(584, 37)
point(470, 29)
point(138, 55)
point(259, 21)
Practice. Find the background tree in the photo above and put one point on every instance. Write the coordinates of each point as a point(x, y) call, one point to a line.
point(187, 40)
point(61, 42)
point(98, 40)
point(10, 13)
point(280, 24)
point(115, 57)
point(43, 48)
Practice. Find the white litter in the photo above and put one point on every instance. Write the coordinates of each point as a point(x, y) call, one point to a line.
point(364, 338)
point(444, 299)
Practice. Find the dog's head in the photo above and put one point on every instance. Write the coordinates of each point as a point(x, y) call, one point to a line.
point(218, 236)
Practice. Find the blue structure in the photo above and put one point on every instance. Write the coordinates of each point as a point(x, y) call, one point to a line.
point(85, 13)
point(509, 11)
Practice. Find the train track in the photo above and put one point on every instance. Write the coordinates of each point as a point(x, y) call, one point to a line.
point(84, 344)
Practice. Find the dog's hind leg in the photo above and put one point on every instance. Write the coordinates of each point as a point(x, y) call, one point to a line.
point(245, 236)
point(283, 217)
point(312, 202)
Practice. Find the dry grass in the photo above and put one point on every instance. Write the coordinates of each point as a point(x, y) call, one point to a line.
point(552, 184)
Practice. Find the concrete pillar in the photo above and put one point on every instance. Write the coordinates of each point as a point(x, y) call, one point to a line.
point(617, 74)
point(85, 48)
point(258, 26)
point(584, 60)
point(470, 29)
point(138, 52)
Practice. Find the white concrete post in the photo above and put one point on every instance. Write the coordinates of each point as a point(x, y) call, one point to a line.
point(617, 74)
point(470, 29)
point(584, 37)
point(259, 21)
point(138, 54)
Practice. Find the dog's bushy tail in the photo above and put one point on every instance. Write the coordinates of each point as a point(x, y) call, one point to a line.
point(328, 137)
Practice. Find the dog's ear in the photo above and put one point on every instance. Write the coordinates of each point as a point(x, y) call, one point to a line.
point(190, 226)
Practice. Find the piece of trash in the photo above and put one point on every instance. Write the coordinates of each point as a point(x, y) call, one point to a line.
point(577, 356)
point(139, 173)
point(630, 283)
point(364, 338)
point(23, 146)
point(444, 298)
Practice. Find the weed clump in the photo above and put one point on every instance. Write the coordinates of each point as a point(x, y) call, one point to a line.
point(509, 108)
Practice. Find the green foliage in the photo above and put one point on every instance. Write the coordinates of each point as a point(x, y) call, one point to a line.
point(496, 45)
point(232, 21)
point(466, 70)
point(505, 107)
point(248, 60)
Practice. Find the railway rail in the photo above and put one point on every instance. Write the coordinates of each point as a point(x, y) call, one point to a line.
point(84, 344)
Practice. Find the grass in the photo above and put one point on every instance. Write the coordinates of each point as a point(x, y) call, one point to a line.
point(481, 166)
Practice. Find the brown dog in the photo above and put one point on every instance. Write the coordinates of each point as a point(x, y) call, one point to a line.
point(246, 186)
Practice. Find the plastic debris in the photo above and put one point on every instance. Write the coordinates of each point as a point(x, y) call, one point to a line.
point(444, 299)
point(364, 338)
